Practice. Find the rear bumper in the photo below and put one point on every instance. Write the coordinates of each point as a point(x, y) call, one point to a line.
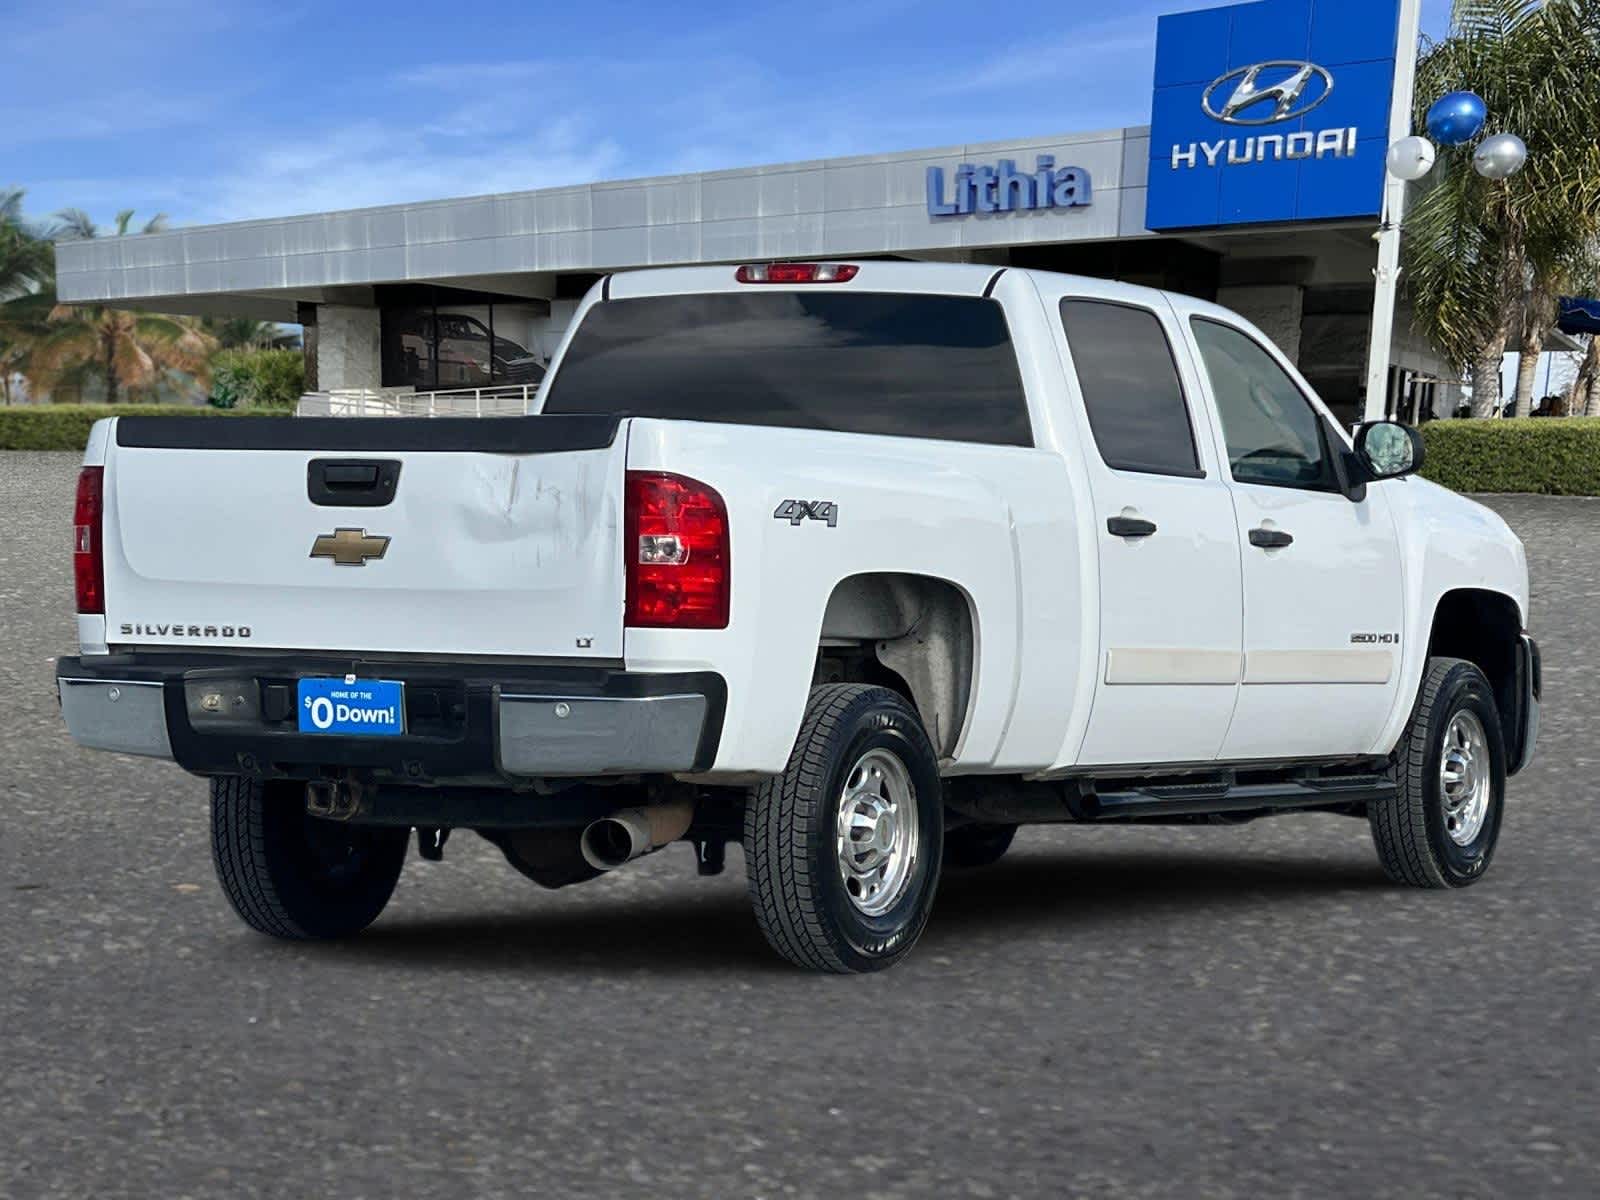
point(468, 722)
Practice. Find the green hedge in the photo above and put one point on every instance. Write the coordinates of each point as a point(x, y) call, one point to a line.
point(66, 426)
point(1558, 456)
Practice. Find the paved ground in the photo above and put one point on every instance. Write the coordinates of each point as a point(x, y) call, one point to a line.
point(1248, 1012)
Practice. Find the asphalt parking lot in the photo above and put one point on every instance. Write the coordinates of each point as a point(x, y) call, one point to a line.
point(1231, 1012)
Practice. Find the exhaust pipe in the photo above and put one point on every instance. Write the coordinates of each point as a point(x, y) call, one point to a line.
point(623, 836)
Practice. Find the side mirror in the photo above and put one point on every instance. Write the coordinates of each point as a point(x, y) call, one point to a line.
point(1388, 449)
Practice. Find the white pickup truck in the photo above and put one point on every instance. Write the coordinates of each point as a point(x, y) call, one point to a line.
point(863, 564)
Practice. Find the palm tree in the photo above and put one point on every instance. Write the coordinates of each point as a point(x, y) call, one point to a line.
point(20, 255)
point(1485, 259)
point(73, 224)
point(1584, 399)
point(127, 351)
point(26, 286)
point(242, 333)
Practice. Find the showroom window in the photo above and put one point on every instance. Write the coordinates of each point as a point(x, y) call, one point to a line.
point(434, 341)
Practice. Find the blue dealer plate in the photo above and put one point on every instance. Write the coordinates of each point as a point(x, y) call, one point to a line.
point(363, 707)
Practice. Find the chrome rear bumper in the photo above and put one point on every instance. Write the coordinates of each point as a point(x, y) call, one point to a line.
point(464, 721)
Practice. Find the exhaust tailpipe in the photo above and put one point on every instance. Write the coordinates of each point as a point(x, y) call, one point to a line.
point(623, 836)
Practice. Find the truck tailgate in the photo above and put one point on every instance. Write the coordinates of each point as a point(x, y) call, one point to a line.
point(503, 536)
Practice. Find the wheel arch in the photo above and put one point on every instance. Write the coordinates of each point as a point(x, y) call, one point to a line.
point(915, 633)
point(1484, 627)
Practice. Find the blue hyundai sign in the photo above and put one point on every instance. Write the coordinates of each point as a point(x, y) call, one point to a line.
point(1272, 111)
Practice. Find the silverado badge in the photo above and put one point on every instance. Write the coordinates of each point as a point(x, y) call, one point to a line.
point(349, 547)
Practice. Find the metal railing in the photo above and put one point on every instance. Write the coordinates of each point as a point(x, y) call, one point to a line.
point(511, 400)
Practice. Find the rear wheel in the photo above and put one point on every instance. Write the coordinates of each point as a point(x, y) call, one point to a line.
point(1440, 828)
point(842, 850)
point(295, 876)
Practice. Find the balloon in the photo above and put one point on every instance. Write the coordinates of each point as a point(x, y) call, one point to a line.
point(1410, 158)
point(1500, 156)
point(1456, 118)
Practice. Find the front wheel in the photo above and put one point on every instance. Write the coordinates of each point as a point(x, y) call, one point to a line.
point(842, 850)
point(1440, 828)
point(295, 876)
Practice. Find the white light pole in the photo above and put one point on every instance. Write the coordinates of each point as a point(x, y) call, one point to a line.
point(1387, 272)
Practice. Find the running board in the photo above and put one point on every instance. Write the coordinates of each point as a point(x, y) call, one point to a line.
point(1218, 797)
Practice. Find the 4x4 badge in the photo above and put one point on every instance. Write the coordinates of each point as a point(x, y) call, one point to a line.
point(795, 511)
point(349, 547)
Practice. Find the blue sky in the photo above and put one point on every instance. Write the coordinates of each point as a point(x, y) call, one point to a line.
point(214, 111)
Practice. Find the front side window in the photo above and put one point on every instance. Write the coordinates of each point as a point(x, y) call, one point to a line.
point(857, 362)
point(1130, 387)
point(1273, 433)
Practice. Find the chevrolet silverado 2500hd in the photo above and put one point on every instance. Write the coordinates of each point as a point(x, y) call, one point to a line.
point(861, 564)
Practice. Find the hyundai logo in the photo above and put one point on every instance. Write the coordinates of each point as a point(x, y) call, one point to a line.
point(1297, 88)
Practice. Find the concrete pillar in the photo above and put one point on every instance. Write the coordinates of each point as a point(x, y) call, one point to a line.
point(1274, 308)
point(349, 348)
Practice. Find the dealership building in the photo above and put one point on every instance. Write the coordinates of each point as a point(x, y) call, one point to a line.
point(1259, 183)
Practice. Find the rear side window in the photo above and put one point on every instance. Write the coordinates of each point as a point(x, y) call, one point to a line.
point(856, 362)
point(1130, 387)
point(1274, 436)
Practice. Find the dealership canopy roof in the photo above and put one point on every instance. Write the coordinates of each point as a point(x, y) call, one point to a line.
point(875, 204)
point(1579, 315)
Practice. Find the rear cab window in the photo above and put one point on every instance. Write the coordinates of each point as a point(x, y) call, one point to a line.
point(1130, 385)
point(900, 364)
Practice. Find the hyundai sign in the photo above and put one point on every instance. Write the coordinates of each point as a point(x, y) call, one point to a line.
point(1270, 112)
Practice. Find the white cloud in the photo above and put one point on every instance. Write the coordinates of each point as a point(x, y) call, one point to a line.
point(365, 165)
point(470, 76)
point(1086, 52)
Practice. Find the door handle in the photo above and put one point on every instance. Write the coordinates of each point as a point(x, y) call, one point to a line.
point(1130, 527)
point(1270, 539)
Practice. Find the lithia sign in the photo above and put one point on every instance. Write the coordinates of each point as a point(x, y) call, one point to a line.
point(1002, 188)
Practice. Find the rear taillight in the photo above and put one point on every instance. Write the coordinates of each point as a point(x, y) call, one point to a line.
point(88, 558)
point(797, 273)
point(676, 542)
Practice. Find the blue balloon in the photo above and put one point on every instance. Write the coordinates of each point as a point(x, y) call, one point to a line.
point(1457, 118)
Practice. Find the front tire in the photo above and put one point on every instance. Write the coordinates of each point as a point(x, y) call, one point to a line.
point(842, 850)
point(295, 876)
point(1440, 828)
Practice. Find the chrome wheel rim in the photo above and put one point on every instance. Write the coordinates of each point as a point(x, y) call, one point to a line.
point(877, 832)
point(1464, 777)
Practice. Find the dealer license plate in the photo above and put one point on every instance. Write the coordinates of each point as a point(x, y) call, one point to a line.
point(353, 707)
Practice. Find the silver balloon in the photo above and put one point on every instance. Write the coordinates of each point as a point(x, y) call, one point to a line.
point(1499, 156)
point(1410, 158)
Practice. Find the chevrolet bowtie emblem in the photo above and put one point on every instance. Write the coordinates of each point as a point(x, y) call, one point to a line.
point(349, 547)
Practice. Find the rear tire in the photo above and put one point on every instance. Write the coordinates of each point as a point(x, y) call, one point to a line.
point(842, 850)
point(1440, 828)
point(977, 845)
point(295, 876)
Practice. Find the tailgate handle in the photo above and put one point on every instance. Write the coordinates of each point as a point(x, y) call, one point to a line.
point(352, 482)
